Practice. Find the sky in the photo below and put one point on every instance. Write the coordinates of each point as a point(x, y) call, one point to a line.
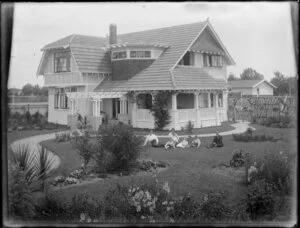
point(256, 34)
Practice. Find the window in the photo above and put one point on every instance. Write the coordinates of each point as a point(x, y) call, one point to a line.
point(220, 100)
point(62, 62)
point(203, 100)
point(70, 89)
point(140, 54)
point(257, 91)
point(212, 60)
point(144, 101)
point(119, 55)
point(60, 99)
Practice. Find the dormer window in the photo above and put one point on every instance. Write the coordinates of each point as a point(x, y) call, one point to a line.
point(119, 55)
point(140, 54)
point(62, 62)
point(212, 60)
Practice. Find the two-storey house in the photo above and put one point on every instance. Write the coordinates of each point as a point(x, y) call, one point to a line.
point(95, 76)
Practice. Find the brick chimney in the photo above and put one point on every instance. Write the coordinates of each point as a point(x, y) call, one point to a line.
point(112, 34)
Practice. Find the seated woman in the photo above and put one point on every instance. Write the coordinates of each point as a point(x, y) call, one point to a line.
point(194, 141)
point(183, 144)
point(217, 142)
point(173, 141)
point(151, 139)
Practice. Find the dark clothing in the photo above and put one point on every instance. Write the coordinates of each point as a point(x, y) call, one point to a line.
point(217, 142)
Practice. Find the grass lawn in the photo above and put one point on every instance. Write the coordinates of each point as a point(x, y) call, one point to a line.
point(192, 170)
point(226, 126)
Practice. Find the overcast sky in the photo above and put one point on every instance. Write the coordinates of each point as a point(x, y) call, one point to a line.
point(257, 35)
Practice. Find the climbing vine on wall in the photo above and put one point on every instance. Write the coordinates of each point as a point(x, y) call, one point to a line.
point(160, 109)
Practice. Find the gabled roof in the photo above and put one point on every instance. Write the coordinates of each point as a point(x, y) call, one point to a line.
point(247, 83)
point(77, 40)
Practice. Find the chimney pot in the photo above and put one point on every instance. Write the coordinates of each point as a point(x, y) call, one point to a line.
point(112, 34)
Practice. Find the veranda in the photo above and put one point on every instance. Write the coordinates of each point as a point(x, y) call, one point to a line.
point(203, 108)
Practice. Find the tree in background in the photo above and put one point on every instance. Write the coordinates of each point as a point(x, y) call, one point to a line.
point(232, 77)
point(285, 85)
point(251, 74)
point(36, 90)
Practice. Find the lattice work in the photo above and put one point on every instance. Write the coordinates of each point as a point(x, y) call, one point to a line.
point(258, 108)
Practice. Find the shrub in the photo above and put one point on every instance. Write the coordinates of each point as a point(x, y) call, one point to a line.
point(84, 203)
point(189, 127)
point(260, 198)
point(84, 148)
point(276, 168)
point(214, 207)
point(160, 109)
point(52, 209)
point(20, 194)
point(25, 160)
point(116, 203)
point(249, 131)
point(238, 158)
point(103, 159)
point(36, 118)
point(28, 117)
point(121, 141)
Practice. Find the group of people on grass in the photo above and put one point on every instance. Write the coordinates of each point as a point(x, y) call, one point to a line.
point(174, 141)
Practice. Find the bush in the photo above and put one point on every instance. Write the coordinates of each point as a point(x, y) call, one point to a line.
point(189, 127)
point(214, 207)
point(276, 169)
point(160, 110)
point(260, 199)
point(62, 137)
point(52, 209)
point(238, 159)
point(121, 141)
point(103, 160)
point(28, 117)
point(280, 122)
point(20, 194)
point(84, 148)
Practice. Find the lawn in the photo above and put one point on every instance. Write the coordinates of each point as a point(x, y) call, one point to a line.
point(192, 170)
point(226, 126)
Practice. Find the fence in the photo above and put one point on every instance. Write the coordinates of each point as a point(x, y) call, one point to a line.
point(27, 99)
point(259, 108)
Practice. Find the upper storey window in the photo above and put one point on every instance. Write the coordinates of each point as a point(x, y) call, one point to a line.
point(119, 55)
point(140, 54)
point(212, 60)
point(62, 62)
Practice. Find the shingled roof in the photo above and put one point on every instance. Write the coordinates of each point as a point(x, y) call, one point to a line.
point(247, 83)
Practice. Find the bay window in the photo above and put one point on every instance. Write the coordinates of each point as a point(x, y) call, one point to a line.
point(119, 55)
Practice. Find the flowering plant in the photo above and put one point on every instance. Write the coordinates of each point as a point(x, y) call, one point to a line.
point(71, 180)
point(77, 173)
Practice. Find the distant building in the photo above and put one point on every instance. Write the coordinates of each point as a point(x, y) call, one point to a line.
point(251, 87)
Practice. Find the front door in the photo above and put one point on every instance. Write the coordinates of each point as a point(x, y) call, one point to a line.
point(115, 107)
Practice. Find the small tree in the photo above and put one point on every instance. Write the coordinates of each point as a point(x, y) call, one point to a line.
point(44, 164)
point(160, 109)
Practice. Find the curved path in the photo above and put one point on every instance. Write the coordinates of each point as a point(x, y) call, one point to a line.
point(240, 127)
point(33, 143)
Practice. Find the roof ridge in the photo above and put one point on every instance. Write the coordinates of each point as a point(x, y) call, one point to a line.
point(173, 26)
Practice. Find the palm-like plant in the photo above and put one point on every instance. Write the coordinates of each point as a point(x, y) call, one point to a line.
point(43, 165)
point(24, 159)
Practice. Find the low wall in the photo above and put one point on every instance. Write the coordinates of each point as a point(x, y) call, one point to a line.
point(22, 108)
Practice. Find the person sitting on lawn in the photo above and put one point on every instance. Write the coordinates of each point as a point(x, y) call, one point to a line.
point(173, 141)
point(151, 138)
point(183, 144)
point(217, 142)
point(194, 141)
